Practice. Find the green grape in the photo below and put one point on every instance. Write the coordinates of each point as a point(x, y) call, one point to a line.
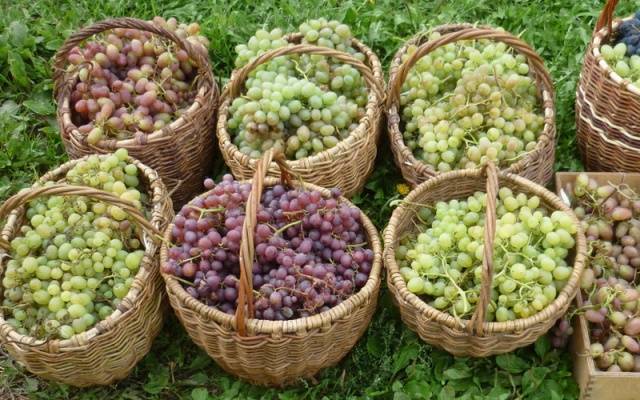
point(58, 259)
point(288, 97)
point(477, 93)
point(443, 260)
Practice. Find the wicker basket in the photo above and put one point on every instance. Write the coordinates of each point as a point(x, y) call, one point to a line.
point(599, 150)
point(537, 165)
point(182, 151)
point(607, 107)
point(349, 163)
point(474, 337)
point(275, 352)
point(108, 351)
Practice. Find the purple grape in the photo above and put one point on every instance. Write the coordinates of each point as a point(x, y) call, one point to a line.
point(310, 264)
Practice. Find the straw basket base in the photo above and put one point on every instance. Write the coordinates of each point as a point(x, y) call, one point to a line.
point(90, 365)
point(276, 361)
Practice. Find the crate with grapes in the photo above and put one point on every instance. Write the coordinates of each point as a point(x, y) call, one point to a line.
point(606, 330)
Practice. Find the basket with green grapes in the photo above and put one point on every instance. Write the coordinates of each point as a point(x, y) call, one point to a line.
point(481, 261)
point(461, 96)
point(315, 96)
point(81, 292)
point(608, 95)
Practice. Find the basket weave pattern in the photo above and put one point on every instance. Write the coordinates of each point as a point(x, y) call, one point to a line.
point(345, 166)
point(607, 107)
point(537, 165)
point(108, 351)
point(182, 152)
point(473, 337)
point(275, 352)
point(598, 148)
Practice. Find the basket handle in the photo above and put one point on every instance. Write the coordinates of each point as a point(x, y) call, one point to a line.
point(536, 63)
point(477, 320)
point(247, 246)
point(24, 196)
point(239, 76)
point(61, 79)
point(606, 16)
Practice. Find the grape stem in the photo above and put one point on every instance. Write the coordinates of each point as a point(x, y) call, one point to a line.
point(287, 226)
point(461, 292)
point(184, 281)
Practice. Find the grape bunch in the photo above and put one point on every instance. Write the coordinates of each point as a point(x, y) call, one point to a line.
point(311, 251)
point(610, 216)
point(443, 261)
point(298, 104)
point(132, 82)
point(470, 102)
point(74, 258)
point(628, 67)
point(628, 33)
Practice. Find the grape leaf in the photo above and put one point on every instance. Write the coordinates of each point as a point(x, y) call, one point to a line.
point(454, 373)
point(18, 34)
point(542, 346)
point(375, 345)
point(18, 69)
point(158, 380)
point(407, 354)
point(199, 394)
point(511, 363)
point(499, 393)
point(40, 105)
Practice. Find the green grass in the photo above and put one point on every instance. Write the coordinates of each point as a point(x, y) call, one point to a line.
point(389, 361)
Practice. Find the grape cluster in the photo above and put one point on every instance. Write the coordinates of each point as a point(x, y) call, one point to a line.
point(628, 67)
point(311, 251)
point(75, 258)
point(132, 82)
point(470, 102)
point(610, 216)
point(628, 33)
point(443, 262)
point(298, 104)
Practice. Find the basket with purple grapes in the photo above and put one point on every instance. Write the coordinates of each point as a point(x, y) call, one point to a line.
point(274, 279)
point(143, 86)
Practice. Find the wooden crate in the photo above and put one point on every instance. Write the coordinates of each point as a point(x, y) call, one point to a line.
point(595, 384)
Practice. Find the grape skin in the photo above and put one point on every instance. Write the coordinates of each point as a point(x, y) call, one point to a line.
point(311, 252)
point(73, 261)
point(299, 104)
point(470, 102)
point(443, 262)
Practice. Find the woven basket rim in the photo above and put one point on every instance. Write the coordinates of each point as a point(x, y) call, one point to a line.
point(226, 143)
point(258, 327)
point(547, 104)
point(436, 316)
point(207, 92)
point(158, 196)
point(598, 40)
